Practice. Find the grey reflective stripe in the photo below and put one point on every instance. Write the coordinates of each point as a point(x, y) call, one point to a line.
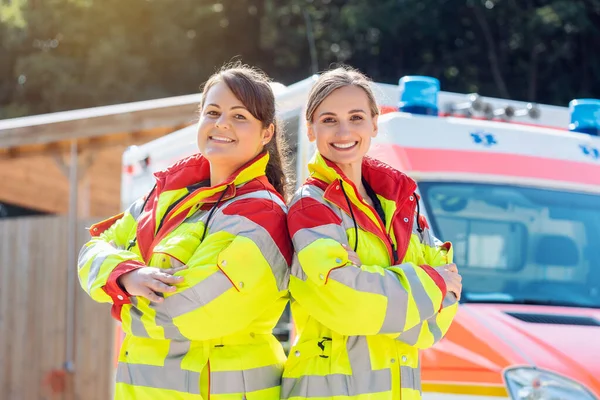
point(259, 194)
point(83, 256)
point(358, 353)
point(411, 336)
point(238, 225)
point(137, 326)
point(306, 236)
point(194, 297)
point(95, 270)
point(361, 382)
point(387, 285)
point(418, 292)
point(169, 377)
point(435, 329)
point(410, 378)
point(249, 380)
point(449, 300)
point(135, 209)
point(296, 269)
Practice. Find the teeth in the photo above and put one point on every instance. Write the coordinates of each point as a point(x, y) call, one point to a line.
point(221, 139)
point(343, 145)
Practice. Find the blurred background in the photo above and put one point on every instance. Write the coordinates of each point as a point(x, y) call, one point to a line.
point(83, 80)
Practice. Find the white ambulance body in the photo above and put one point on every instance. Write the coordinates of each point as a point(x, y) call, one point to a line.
point(518, 195)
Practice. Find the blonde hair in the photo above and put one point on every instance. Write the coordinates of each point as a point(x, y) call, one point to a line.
point(335, 79)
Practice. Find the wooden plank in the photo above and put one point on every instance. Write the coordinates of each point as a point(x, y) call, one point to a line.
point(87, 144)
point(98, 121)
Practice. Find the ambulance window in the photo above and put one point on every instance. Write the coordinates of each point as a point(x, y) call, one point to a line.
point(519, 244)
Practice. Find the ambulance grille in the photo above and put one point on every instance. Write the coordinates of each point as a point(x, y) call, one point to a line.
point(555, 319)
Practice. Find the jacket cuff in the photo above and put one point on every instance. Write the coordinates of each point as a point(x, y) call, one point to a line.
point(439, 281)
point(117, 293)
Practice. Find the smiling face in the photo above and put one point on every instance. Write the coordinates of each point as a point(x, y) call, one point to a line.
point(343, 125)
point(228, 134)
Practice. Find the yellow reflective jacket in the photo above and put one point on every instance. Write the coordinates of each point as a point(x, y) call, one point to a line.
point(212, 338)
point(359, 328)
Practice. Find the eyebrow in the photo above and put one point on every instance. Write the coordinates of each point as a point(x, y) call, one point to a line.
point(232, 108)
point(349, 112)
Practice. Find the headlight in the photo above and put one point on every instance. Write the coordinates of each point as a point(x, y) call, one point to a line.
point(534, 384)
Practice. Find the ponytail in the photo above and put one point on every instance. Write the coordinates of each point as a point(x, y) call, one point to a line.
point(278, 169)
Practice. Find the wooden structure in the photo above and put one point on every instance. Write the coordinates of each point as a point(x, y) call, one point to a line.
point(35, 152)
point(55, 342)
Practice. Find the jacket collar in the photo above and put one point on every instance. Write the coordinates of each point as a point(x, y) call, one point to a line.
point(385, 180)
point(196, 168)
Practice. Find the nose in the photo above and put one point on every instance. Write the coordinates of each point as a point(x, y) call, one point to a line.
point(221, 122)
point(343, 129)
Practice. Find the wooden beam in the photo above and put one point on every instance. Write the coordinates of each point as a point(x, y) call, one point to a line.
point(98, 121)
point(87, 144)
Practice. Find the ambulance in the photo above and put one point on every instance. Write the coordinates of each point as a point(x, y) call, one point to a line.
point(515, 187)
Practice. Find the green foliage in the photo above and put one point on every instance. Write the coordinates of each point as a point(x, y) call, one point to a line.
point(66, 54)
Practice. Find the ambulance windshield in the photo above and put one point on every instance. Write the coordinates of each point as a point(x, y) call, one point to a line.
point(520, 245)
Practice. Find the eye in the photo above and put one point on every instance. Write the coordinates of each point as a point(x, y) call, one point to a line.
point(328, 120)
point(239, 116)
point(212, 113)
point(356, 117)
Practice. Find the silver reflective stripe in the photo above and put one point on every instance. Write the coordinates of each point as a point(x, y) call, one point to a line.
point(168, 377)
point(259, 194)
point(238, 225)
point(249, 380)
point(449, 300)
point(137, 326)
point(367, 382)
point(411, 336)
point(297, 270)
point(410, 378)
point(136, 208)
point(418, 292)
point(194, 297)
point(94, 270)
point(83, 256)
point(306, 236)
point(358, 354)
point(387, 285)
point(435, 329)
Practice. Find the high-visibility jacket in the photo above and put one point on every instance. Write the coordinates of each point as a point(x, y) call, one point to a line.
point(212, 338)
point(360, 328)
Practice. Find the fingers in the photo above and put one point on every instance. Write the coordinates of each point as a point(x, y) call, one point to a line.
point(168, 278)
point(150, 295)
point(174, 270)
point(158, 286)
point(451, 268)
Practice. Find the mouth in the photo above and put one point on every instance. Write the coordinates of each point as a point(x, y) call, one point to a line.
point(344, 146)
point(220, 139)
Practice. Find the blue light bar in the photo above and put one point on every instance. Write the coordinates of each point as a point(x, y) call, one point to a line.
point(585, 116)
point(418, 95)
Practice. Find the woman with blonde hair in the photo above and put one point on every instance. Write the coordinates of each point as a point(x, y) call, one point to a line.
point(370, 284)
point(197, 271)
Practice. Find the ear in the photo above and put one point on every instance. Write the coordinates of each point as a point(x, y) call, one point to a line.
point(375, 126)
point(311, 132)
point(268, 134)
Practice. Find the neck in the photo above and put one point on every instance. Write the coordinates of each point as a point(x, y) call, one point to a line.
point(220, 173)
point(354, 173)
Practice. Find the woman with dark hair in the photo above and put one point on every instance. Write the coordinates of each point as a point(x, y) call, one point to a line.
point(197, 271)
point(370, 284)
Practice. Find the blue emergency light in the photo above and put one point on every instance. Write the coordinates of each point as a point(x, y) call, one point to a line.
point(418, 95)
point(585, 116)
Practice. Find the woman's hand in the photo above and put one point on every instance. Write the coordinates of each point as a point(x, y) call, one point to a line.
point(449, 273)
point(148, 281)
point(352, 256)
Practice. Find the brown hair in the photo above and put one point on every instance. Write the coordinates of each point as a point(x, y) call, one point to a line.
point(252, 87)
point(336, 79)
